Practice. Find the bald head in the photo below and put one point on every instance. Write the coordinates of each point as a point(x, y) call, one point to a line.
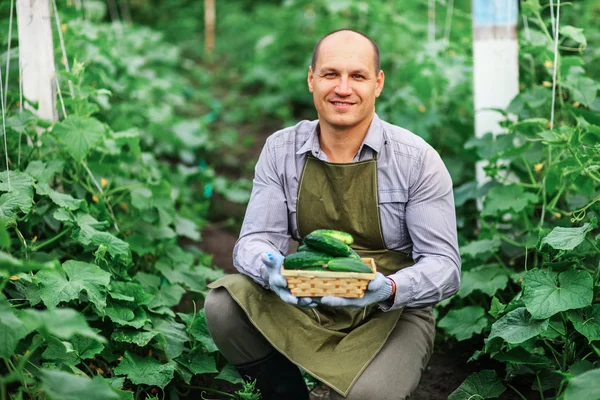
point(346, 35)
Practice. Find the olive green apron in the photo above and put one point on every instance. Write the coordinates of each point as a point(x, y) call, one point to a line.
point(331, 343)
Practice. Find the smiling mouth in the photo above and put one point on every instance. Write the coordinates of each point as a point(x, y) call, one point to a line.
point(341, 103)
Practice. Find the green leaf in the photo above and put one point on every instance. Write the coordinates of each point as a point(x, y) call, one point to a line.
point(4, 236)
point(496, 308)
point(139, 338)
point(519, 355)
point(192, 277)
point(464, 322)
point(197, 327)
point(582, 88)
point(127, 316)
point(60, 352)
point(86, 347)
point(130, 291)
point(89, 234)
point(546, 293)
point(585, 386)
point(566, 238)
point(230, 374)
point(502, 199)
point(145, 371)
point(168, 296)
point(79, 135)
point(12, 329)
point(487, 279)
point(186, 228)
point(18, 198)
point(199, 362)
point(66, 284)
point(63, 323)
point(12, 266)
point(64, 386)
point(517, 326)
point(42, 171)
point(21, 121)
point(60, 199)
point(172, 336)
point(480, 385)
point(149, 282)
point(131, 138)
point(587, 322)
point(573, 33)
point(480, 247)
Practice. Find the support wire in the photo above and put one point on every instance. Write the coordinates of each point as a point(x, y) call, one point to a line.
point(555, 60)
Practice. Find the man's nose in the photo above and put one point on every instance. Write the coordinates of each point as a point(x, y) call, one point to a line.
point(343, 87)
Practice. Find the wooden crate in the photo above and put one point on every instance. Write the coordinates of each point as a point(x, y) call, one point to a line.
point(328, 283)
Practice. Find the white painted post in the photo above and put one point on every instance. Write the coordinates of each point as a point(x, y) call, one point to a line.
point(36, 56)
point(495, 65)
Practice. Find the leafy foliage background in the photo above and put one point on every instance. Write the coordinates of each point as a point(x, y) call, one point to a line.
point(102, 285)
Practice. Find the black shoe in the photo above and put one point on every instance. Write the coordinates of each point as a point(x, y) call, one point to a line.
point(277, 378)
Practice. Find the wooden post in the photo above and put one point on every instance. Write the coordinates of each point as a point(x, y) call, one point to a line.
point(495, 65)
point(209, 26)
point(36, 56)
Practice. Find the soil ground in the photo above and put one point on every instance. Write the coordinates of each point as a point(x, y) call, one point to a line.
point(447, 369)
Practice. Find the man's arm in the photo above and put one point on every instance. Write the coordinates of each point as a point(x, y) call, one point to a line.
point(265, 226)
point(431, 223)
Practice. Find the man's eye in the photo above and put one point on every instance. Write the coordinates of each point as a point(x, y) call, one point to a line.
point(330, 74)
point(357, 76)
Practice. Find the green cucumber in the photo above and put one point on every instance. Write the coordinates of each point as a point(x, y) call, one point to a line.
point(328, 245)
point(347, 265)
point(304, 247)
point(314, 269)
point(305, 259)
point(343, 236)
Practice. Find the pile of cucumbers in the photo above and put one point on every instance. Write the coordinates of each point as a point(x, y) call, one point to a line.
point(326, 250)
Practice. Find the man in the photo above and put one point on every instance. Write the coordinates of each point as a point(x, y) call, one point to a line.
point(352, 172)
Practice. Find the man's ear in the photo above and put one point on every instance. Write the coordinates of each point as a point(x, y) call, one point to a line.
point(380, 81)
point(310, 79)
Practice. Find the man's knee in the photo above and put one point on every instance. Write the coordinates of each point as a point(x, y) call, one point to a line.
point(222, 313)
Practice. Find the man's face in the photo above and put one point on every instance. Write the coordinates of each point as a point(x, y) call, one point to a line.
point(344, 83)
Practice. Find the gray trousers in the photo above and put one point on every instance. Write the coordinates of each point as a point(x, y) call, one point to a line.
point(392, 375)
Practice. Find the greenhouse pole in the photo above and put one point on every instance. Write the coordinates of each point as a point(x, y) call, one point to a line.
point(495, 66)
point(209, 26)
point(36, 56)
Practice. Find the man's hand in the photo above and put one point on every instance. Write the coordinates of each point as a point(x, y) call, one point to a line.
point(278, 283)
point(378, 290)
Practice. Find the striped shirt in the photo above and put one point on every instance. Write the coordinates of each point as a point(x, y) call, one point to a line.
point(416, 205)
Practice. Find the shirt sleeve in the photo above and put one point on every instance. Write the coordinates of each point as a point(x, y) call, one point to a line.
point(431, 223)
point(265, 226)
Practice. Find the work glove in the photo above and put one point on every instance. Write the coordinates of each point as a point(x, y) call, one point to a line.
point(378, 290)
point(278, 283)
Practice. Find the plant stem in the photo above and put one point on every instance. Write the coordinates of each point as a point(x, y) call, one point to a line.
point(2, 389)
point(516, 391)
point(593, 244)
point(539, 385)
point(529, 172)
point(51, 240)
point(215, 391)
point(585, 171)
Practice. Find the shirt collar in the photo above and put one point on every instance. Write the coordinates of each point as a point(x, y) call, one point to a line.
point(373, 138)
